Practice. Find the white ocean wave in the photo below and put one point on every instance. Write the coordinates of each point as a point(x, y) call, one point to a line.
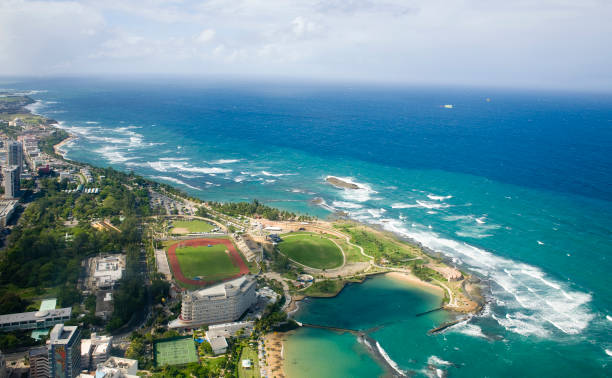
point(609, 352)
point(347, 205)
point(437, 361)
point(176, 181)
point(225, 161)
point(182, 166)
point(420, 204)
point(113, 154)
point(401, 205)
point(362, 194)
point(438, 198)
point(391, 363)
point(469, 329)
point(609, 318)
point(534, 303)
point(266, 173)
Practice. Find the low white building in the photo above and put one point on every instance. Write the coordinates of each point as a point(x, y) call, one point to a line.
point(115, 367)
point(108, 271)
point(221, 303)
point(95, 351)
point(218, 345)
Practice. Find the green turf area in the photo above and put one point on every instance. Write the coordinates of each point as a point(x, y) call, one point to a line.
point(175, 352)
point(379, 245)
point(209, 263)
point(327, 288)
point(249, 353)
point(192, 225)
point(312, 250)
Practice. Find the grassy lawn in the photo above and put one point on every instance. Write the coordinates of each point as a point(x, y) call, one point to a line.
point(327, 288)
point(191, 226)
point(379, 245)
point(210, 263)
point(312, 250)
point(175, 352)
point(248, 353)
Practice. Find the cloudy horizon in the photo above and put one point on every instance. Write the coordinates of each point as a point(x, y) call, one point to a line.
point(533, 44)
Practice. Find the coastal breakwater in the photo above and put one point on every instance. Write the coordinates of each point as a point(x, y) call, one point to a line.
point(372, 345)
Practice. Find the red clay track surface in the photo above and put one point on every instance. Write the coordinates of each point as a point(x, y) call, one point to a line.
point(176, 268)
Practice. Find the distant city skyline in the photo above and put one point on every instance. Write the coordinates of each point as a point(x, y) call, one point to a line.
point(542, 44)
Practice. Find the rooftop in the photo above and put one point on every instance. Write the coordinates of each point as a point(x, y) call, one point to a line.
point(219, 289)
point(35, 315)
point(61, 334)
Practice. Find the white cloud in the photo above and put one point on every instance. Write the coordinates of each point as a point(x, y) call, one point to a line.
point(206, 36)
point(563, 43)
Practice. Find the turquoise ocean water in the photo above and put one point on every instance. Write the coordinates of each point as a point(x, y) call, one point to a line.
point(516, 189)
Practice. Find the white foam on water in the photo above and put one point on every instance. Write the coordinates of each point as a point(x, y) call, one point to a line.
point(113, 154)
point(401, 205)
point(534, 302)
point(609, 352)
point(376, 213)
point(540, 243)
point(362, 194)
point(391, 363)
point(609, 318)
point(437, 361)
point(472, 234)
point(347, 205)
point(438, 198)
point(266, 173)
point(432, 205)
point(182, 166)
point(176, 181)
point(225, 161)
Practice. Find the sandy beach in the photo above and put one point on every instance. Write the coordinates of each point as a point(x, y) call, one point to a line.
point(411, 279)
point(58, 147)
point(274, 354)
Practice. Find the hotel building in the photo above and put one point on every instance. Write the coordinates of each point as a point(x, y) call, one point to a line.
point(221, 303)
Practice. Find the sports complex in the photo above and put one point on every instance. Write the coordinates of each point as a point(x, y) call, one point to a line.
point(201, 262)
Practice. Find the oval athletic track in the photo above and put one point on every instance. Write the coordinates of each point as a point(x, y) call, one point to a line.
point(176, 268)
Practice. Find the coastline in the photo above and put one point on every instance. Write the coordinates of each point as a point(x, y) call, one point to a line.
point(274, 341)
point(57, 148)
point(414, 281)
point(273, 344)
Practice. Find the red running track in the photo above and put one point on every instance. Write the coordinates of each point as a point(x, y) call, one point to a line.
point(176, 268)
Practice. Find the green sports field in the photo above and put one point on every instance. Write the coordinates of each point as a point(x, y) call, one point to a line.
point(210, 263)
point(175, 352)
point(180, 226)
point(312, 250)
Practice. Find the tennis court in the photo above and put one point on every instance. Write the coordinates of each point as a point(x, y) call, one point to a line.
point(175, 351)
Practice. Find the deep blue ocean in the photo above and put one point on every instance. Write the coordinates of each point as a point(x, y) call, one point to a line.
point(515, 186)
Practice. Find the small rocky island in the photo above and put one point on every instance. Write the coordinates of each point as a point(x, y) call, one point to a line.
point(341, 183)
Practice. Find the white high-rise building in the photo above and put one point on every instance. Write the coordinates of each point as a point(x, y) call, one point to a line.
point(11, 181)
point(14, 154)
point(221, 303)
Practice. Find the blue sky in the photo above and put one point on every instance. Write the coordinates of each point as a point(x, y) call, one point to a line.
point(541, 44)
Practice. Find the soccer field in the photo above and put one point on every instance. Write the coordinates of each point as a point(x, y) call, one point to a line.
point(312, 250)
point(188, 226)
point(175, 352)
